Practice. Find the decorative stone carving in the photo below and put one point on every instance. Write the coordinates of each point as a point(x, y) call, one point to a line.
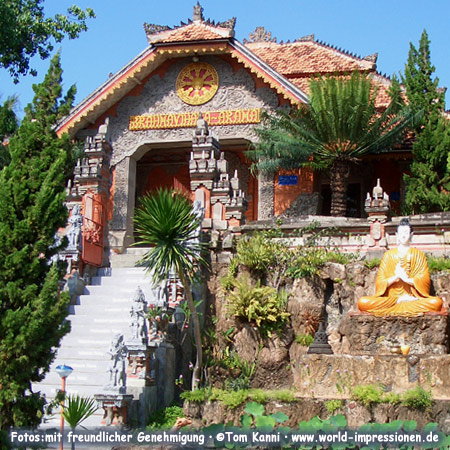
point(74, 231)
point(117, 367)
point(303, 205)
point(237, 90)
point(308, 38)
point(198, 13)
point(151, 28)
point(138, 314)
point(260, 35)
point(230, 23)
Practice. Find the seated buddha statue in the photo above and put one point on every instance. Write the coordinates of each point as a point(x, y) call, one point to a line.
point(403, 281)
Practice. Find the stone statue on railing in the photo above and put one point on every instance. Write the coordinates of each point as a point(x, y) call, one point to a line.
point(117, 366)
point(138, 315)
point(74, 230)
point(403, 281)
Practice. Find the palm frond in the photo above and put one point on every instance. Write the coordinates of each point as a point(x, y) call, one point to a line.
point(166, 222)
point(341, 122)
point(78, 409)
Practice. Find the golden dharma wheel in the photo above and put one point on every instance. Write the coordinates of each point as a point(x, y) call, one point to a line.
point(197, 83)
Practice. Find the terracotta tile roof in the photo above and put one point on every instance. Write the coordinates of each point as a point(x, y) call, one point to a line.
point(382, 84)
point(196, 31)
point(307, 57)
point(298, 61)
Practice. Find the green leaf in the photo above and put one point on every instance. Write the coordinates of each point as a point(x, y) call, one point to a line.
point(339, 421)
point(316, 423)
point(431, 426)
point(254, 408)
point(266, 422)
point(280, 417)
point(409, 425)
point(246, 421)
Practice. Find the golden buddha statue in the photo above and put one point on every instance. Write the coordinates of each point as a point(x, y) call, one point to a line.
point(403, 281)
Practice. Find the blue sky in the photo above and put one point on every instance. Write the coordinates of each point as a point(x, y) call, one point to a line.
point(362, 27)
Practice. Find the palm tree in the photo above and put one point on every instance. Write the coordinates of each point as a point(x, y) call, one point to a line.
point(340, 124)
point(167, 223)
point(77, 410)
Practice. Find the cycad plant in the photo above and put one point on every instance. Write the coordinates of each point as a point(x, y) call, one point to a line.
point(340, 124)
point(77, 409)
point(167, 223)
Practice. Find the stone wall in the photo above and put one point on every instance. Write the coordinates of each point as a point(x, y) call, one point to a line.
point(366, 348)
point(207, 413)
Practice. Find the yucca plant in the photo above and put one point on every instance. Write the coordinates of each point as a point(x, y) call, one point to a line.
point(167, 223)
point(340, 124)
point(77, 409)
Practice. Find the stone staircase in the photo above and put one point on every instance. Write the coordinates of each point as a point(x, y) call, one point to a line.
point(101, 312)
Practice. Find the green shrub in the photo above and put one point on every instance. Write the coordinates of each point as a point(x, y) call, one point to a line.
point(197, 396)
point(436, 264)
point(368, 394)
point(283, 395)
point(257, 253)
point(304, 339)
point(260, 396)
point(417, 398)
point(372, 263)
point(230, 399)
point(333, 405)
point(165, 418)
point(392, 398)
point(262, 305)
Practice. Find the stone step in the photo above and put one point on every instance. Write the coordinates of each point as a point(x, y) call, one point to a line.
point(103, 320)
point(107, 310)
point(124, 261)
point(80, 379)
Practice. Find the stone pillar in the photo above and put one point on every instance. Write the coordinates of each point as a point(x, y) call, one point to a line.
point(377, 208)
point(121, 227)
point(265, 196)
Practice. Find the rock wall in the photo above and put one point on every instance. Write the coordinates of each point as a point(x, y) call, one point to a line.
point(207, 413)
point(366, 347)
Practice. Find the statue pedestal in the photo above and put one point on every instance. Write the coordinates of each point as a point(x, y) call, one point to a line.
point(364, 334)
point(115, 407)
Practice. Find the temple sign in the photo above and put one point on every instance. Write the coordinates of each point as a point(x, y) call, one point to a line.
point(403, 281)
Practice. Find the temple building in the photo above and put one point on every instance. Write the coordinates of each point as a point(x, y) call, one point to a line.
point(182, 114)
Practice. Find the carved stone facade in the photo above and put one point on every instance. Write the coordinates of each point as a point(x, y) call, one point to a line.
point(237, 91)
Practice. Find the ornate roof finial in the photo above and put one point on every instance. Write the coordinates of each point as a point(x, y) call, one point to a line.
point(309, 37)
point(371, 58)
point(260, 35)
point(198, 13)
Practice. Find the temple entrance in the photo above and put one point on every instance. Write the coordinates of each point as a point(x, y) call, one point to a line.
point(168, 167)
point(163, 168)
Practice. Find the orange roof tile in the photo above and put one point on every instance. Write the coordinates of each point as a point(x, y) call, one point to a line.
point(307, 57)
point(196, 31)
point(298, 61)
point(382, 84)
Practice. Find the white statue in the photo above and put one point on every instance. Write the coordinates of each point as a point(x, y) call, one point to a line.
point(74, 231)
point(117, 366)
point(138, 315)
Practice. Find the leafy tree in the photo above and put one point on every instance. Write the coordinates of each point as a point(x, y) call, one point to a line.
point(32, 193)
point(167, 223)
point(428, 186)
point(26, 31)
point(8, 126)
point(340, 124)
